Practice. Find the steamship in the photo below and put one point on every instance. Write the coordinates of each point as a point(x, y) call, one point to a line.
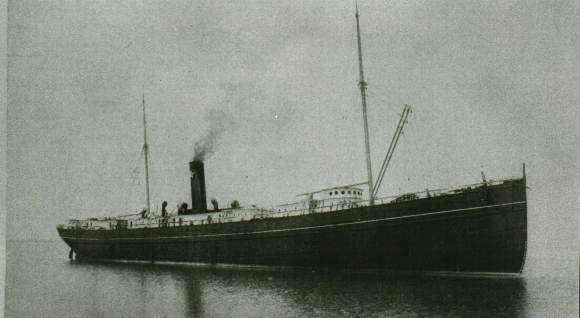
point(479, 228)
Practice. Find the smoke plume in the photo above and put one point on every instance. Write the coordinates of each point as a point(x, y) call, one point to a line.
point(206, 146)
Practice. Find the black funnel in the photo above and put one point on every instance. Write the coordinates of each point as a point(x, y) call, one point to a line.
point(198, 203)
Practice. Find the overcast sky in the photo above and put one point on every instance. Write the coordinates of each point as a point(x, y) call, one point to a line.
point(492, 84)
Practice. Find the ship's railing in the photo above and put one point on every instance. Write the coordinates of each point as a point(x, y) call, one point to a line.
point(283, 210)
point(331, 203)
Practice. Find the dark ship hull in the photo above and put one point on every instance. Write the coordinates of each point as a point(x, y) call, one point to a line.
point(483, 229)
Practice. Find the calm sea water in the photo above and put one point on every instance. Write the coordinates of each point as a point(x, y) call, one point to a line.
point(41, 282)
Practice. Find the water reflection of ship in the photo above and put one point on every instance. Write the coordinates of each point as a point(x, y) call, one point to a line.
point(474, 228)
point(207, 292)
point(151, 291)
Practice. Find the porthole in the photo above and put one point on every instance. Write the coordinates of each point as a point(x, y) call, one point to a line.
point(330, 193)
point(348, 192)
point(342, 192)
point(335, 192)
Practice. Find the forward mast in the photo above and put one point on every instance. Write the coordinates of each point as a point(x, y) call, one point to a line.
point(146, 150)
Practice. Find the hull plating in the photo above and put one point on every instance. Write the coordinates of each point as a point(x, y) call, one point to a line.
point(479, 230)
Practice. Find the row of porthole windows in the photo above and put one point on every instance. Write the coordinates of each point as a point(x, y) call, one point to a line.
point(342, 192)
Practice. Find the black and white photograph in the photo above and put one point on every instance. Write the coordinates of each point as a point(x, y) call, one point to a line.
point(310, 158)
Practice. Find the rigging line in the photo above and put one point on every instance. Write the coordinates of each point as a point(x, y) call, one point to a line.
point(397, 140)
point(135, 170)
point(134, 177)
point(381, 172)
point(404, 116)
point(391, 146)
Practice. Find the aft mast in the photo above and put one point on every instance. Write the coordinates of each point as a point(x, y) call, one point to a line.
point(146, 150)
point(363, 91)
